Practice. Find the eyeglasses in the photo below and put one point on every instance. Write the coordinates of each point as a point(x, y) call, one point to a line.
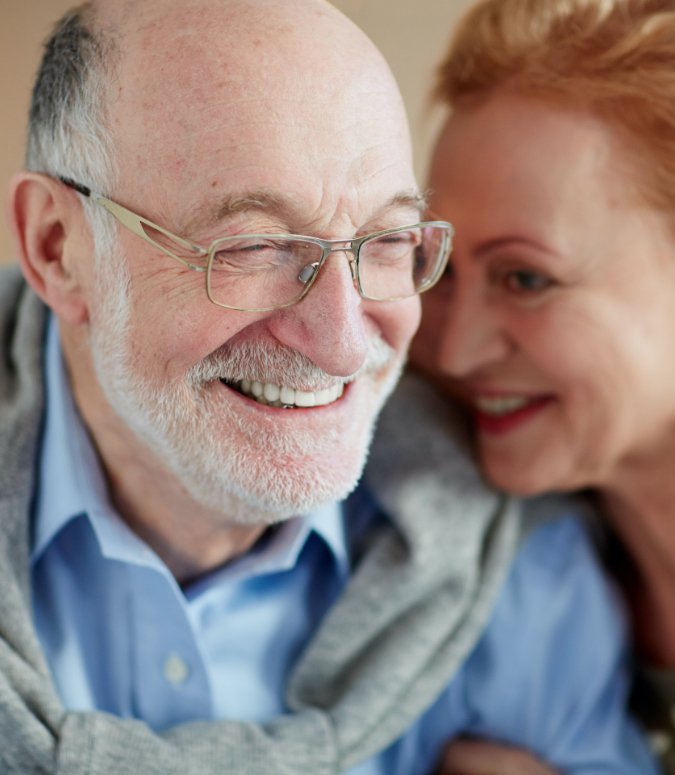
point(264, 272)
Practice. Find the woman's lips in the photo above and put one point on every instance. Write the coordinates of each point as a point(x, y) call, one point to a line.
point(497, 414)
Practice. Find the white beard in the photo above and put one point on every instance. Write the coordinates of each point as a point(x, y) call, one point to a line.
point(248, 478)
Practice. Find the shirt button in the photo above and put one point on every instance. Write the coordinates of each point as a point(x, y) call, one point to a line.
point(176, 669)
point(660, 742)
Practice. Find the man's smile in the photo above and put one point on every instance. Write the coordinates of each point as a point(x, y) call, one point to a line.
point(279, 396)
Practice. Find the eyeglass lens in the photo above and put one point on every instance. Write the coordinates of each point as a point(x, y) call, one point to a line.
point(259, 272)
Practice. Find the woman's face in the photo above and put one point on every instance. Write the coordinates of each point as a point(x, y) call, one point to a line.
point(556, 320)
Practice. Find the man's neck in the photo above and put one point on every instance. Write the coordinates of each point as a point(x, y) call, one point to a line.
point(155, 506)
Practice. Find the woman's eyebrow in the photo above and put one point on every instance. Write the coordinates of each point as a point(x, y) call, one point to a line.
point(486, 246)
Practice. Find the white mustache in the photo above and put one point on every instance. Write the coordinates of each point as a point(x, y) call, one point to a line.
point(279, 365)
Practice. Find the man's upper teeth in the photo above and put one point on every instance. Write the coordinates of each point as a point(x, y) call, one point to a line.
point(500, 405)
point(281, 395)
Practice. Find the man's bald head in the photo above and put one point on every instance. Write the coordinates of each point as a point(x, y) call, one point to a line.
point(100, 51)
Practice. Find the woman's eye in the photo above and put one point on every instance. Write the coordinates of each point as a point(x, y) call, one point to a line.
point(526, 281)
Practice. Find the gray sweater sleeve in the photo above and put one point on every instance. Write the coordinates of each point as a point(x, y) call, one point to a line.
point(38, 737)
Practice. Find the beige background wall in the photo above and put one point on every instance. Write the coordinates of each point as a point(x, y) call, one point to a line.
point(411, 35)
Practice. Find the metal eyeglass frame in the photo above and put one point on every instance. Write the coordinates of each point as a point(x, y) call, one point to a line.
point(135, 222)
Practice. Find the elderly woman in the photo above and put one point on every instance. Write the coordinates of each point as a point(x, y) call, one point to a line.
point(555, 326)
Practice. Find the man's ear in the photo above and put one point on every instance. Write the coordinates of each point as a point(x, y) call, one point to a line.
point(48, 225)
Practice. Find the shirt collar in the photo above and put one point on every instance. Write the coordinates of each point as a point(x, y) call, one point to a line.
point(71, 484)
point(70, 481)
point(280, 550)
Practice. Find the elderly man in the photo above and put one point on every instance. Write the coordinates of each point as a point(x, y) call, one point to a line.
point(189, 390)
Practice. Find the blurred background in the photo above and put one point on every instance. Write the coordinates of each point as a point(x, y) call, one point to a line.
point(412, 37)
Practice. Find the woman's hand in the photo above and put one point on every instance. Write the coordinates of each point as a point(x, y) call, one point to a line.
point(465, 756)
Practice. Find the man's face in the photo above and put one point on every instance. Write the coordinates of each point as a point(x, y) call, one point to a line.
point(218, 134)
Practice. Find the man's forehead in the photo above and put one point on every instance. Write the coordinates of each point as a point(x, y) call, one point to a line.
point(237, 32)
point(235, 61)
point(232, 149)
point(289, 99)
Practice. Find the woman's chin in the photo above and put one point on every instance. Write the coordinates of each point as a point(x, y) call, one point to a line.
point(521, 483)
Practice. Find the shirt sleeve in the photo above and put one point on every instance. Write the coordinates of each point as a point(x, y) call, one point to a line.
point(551, 672)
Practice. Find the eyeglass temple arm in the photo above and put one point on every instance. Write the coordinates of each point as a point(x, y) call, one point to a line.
point(84, 190)
point(135, 222)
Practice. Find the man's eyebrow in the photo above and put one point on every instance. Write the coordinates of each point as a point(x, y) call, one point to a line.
point(203, 217)
point(266, 201)
point(277, 204)
point(415, 200)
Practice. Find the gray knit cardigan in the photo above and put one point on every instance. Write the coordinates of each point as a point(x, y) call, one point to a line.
point(417, 602)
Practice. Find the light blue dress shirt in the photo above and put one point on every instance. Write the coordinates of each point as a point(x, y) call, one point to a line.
point(121, 635)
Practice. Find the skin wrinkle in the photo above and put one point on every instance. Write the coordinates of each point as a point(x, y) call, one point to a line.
point(276, 207)
point(193, 224)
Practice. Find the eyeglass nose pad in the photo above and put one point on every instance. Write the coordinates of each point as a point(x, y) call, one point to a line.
point(352, 266)
point(307, 273)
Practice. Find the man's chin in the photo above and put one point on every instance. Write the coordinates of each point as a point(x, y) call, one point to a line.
point(268, 491)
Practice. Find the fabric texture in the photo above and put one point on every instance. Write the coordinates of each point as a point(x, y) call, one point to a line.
point(407, 620)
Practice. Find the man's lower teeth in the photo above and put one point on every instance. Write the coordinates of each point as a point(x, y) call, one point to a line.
point(288, 398)
point(275, 404)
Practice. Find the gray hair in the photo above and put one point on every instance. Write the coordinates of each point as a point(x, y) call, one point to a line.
point(67, 133)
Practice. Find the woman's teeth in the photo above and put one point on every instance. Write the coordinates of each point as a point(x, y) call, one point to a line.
point(281, 396)
point(499, 406)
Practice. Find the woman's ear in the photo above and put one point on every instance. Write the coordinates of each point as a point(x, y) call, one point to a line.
point(48, 223)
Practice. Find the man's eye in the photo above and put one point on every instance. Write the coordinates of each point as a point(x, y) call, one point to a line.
point(250, 255)
point(394, 239)
point(526, 281)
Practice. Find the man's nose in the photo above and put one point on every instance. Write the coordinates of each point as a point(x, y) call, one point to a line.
point(472, 336)
point(329, 325)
